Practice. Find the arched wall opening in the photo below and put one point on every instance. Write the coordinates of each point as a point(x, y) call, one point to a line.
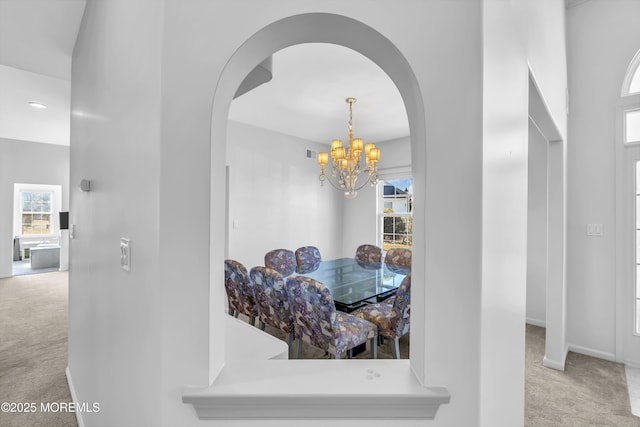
point(311, 28)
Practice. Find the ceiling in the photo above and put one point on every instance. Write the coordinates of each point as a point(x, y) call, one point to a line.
point(305, 98)
point(36, 43)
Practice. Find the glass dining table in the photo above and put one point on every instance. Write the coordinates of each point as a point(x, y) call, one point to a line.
point(354, 283)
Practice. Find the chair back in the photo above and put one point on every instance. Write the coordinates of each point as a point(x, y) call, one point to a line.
point(401, 309)
point(307, 257)
point(239, 289)
point(369, 254)
point(314, 312)
point(281, 260)
point(398, 256)
point(272, 299)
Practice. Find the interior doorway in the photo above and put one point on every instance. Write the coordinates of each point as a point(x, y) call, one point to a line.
point(36, 229)
point(546, 296)
point(537, 228)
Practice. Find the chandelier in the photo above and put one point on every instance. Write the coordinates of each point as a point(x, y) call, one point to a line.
point(347, 163)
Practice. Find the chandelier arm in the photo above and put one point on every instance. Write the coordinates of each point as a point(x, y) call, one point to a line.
point(364, 183)
point(328, 179)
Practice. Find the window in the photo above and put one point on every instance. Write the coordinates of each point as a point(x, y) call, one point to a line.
point(631, 82)
point(632, 126)
point(36, 212)
point(628, 157)
point(397, 213)
point(634, 86)
point(637, 251)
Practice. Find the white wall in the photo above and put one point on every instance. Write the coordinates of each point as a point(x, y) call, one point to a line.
point(29, 163)
point(275, 197)
point(516, 36)
point(136, 340)
point(603, 37)
point(537, 228)
point(360, 219)
point(193, 62)
point(115, 321)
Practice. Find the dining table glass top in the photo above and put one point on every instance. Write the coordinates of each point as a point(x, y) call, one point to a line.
point(353, 283)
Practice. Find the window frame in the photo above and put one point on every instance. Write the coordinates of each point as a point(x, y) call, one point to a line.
point(56, 206)
point(627, 152)
point(51, 195)
point(634, 107)
point(633, 72)
point(406, 174)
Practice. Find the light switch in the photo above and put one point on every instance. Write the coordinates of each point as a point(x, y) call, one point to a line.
point(125, 254)
point(595, 230)
point(236, 224)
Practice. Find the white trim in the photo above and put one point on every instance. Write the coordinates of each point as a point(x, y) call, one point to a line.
point(631, 363)
point(556, 300)
point(536, 322)
point(539, 111)
point(553, 364)
point(403, 388)
point(56, 206)
point(627, 342)
point(347, 389)
point(592, 352)
point(625, 111)
point(556, 364)
point(628, 76)
point(74, 397)
point(394, 172)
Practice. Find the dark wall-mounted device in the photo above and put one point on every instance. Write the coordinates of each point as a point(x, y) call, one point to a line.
point(64, 220)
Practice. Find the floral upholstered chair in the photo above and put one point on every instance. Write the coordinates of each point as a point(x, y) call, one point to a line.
point(308, 259)
point(239, 290)
point(272, 300)
point(400, 257)
point(319, 324)
point(371, 254)
point(392, 319)
point(281, 260)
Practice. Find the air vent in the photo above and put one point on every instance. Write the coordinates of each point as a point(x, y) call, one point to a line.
point(311, 154)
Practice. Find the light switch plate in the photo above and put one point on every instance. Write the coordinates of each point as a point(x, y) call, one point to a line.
point(125, 254)
point(595, 230)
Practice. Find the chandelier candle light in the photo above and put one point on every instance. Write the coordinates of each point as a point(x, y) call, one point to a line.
point(347, 163)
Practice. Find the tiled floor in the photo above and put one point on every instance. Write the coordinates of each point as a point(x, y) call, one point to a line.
point(633, 383)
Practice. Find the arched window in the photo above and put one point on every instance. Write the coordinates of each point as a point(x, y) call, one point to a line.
point(631, 111)
point(629, 174)
point(631, 84)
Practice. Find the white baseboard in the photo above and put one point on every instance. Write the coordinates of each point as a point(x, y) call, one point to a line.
point(536, 322)
point(74, 397)
point(553, 364)
point(592, 352)
point(556, 364)
point(631, 363)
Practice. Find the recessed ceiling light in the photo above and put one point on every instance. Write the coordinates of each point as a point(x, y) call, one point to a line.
point(37, 104)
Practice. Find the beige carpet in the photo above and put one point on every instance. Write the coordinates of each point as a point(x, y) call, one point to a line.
point(33, 358)
point(590, 392)
point(33, 348)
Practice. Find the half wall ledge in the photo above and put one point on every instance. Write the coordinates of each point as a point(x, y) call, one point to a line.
point(316, 389)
